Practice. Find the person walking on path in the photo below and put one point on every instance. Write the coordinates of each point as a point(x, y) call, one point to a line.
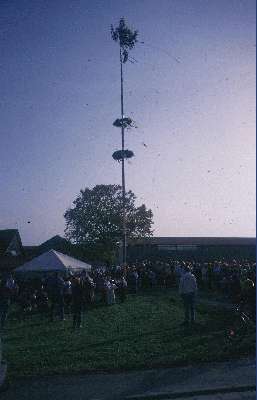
point(188, 290)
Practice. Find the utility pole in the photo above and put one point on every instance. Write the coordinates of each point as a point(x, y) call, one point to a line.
point(126, 39)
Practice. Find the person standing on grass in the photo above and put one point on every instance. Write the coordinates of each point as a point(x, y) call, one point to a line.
point(121, 284)
point(67, 294)
point(210, 276)
point(55, 289)
point(100, 286)
point(177, 271)
point(110, 292)
point(42, 300)
point(134, 279)
point(77, 301)
point(204, 276)
point(5, 301)
point(89, 288)
point(188, 290)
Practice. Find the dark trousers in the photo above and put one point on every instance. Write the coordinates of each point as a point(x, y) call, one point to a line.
point(134, 286)
point(57, 306)
point(4, 306)
point(189, 306)
point(122, 294)
point(77, 315)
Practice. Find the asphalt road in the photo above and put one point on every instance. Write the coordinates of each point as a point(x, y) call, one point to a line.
point(158, 383)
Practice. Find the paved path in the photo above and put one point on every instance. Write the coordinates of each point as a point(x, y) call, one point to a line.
point(152, 384)
point(229, 396)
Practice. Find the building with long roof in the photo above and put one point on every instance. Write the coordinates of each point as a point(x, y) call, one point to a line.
point(201, 248)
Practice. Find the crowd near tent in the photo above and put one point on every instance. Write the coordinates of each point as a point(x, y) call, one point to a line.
point(53, 261)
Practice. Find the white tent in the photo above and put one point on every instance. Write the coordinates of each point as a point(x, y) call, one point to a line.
point(53, 261)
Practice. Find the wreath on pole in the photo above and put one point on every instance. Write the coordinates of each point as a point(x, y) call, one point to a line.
point(122, 154)
point(125, 122)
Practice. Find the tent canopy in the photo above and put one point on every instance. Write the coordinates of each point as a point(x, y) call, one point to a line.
point(54, 261)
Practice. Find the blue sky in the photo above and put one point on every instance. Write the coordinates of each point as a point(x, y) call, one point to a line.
point(191, 93)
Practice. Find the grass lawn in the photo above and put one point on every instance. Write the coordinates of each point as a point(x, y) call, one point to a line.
point(143, 332)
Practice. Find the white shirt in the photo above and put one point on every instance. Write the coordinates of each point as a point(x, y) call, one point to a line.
point(10, 284)
point(187, 283)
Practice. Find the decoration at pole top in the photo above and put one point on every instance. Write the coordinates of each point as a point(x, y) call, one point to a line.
point(126, 37)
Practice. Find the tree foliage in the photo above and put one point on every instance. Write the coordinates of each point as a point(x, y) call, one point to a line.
point(96, 217)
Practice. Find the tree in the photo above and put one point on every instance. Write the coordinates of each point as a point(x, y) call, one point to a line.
point(96, 219)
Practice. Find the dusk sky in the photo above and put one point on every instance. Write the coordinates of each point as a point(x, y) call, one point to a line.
point(191, 93)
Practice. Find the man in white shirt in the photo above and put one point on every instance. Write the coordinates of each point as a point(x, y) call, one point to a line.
point(188, 290)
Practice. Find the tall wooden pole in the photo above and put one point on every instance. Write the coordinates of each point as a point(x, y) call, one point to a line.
point(124, 237)
point(127, 39)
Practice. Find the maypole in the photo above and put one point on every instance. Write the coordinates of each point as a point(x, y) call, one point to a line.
point(126, 39)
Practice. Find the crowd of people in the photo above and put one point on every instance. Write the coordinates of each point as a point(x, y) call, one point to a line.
point(57, 295)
